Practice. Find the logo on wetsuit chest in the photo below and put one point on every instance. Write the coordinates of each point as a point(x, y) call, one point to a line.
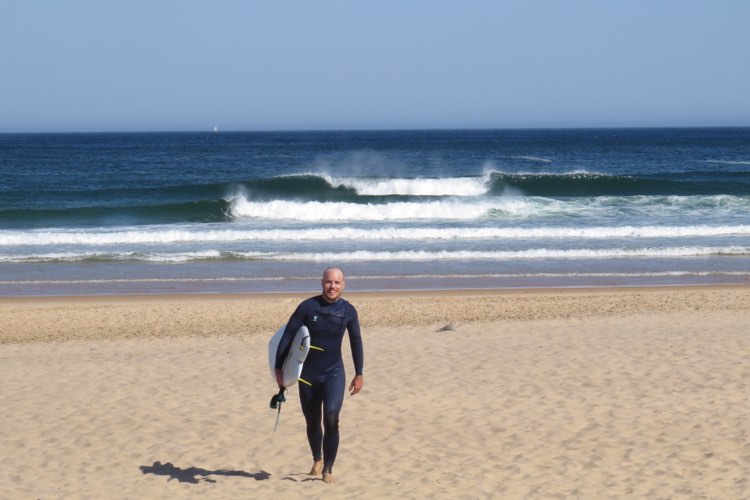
point(315, 318)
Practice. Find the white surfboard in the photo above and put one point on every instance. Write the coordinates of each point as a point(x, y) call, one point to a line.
point(292, 367)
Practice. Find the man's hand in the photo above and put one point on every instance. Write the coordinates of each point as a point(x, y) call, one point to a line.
point(356, 384)
point(279, 377)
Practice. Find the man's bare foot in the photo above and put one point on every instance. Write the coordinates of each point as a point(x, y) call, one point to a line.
point(317, 468)
point(328, 478)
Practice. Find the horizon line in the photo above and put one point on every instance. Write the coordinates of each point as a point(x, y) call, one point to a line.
point(212, 130)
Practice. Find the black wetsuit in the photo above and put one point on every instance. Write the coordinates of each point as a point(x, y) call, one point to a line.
point(323, 381)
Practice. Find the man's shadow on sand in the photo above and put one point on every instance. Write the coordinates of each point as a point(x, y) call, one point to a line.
point(195, 475)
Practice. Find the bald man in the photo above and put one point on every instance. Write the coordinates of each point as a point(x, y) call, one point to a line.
point(323, 381)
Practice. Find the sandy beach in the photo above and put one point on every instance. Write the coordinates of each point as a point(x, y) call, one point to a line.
point(576, 393)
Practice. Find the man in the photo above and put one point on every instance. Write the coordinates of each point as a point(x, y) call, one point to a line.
point(322, 383)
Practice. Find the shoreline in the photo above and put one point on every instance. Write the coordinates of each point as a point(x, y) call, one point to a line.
point(371, 293)
point(240, 278)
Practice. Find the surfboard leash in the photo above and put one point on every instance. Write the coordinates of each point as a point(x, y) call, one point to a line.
point(275, 404)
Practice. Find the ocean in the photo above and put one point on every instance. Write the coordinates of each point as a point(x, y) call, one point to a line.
point(216, 212)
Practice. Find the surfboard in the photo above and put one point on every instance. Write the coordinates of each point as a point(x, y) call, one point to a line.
point(292, 367)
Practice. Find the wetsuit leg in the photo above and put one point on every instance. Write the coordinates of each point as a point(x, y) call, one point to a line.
point(311, 400)
point(322, 401)
point(333, 400)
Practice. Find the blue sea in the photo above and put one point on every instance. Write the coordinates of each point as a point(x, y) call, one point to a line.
point(213, 212)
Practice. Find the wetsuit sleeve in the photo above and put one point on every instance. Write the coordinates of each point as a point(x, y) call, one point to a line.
point(294, 324)
point(355, 341)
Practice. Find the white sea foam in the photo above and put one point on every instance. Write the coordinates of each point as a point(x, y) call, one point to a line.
point(377, 256)
point(516, 207)
point(456, 186)
point(176, 257)
point(313, 211)
point(534, 159)
point(535, 254)
point(196, 234)
point(729, 162)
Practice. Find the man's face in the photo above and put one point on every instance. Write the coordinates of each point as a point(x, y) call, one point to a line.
point(333, 285)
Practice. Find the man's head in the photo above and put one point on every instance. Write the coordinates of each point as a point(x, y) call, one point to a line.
point(333, 284)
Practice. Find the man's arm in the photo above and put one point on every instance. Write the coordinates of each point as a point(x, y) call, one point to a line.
point(358, 355)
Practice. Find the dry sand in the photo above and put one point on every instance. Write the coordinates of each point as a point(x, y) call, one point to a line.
point(638, 393)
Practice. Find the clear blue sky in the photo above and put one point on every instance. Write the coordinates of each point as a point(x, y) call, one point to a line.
point(93, 65)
